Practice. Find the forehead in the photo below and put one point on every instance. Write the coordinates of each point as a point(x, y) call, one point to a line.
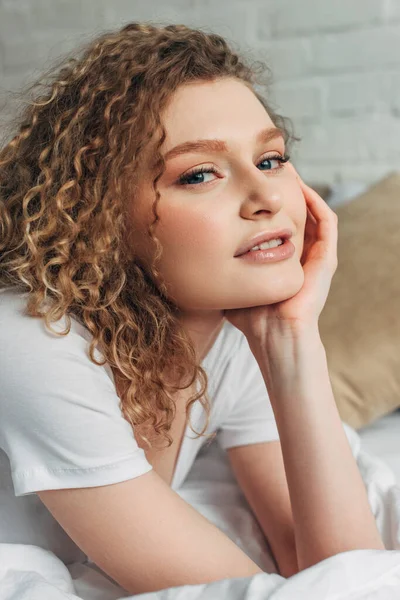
point(223, 109)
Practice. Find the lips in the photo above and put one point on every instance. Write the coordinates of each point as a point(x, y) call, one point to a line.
point(264, 236)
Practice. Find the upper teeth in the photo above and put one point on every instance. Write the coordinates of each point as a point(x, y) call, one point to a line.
point(269, 244)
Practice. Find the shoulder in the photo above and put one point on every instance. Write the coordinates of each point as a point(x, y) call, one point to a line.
point(27, 342)
point(61, 423)
point(42, 372)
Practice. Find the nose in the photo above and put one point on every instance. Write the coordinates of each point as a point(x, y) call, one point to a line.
point(261, 196)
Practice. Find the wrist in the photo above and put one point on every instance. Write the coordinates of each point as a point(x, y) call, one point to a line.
point(285, 341)
point(293, 367)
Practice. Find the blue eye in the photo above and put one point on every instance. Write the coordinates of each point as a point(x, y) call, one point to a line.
point(196, 176)
point(269, 162)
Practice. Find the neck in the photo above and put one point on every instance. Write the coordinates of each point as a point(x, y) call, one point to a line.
point(203, 329)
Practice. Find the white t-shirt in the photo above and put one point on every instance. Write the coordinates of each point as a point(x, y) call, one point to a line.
point(61, 424)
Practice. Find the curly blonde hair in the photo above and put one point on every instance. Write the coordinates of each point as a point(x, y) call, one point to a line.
point(65, 179)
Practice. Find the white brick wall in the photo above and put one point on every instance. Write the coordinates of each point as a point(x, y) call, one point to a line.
point(335, 64)
point(370, 48)
point(310, 16)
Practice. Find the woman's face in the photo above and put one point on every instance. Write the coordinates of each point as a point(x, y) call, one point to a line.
point(204, 219)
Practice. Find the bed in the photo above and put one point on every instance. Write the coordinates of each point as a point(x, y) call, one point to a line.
point(382, 438)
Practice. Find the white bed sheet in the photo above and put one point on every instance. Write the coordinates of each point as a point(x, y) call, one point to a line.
point(31, 573)
point(382, 439)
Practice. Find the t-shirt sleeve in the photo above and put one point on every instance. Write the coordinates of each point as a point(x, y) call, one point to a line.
point(250, 418)
point(61, 423)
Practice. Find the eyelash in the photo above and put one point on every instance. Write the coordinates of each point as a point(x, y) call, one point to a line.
point(183, 179)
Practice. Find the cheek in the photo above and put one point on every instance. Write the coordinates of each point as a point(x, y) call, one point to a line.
point(301, 209)
point(296, 209)
point(191, 231)
point(295, 195)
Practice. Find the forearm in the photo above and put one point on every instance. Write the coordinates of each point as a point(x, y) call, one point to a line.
point(284, 550)
point(330, 506)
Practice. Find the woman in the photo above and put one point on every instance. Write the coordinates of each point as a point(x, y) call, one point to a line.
point(134, 197)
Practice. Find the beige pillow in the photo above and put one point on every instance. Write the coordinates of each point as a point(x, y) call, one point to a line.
point(360, 323)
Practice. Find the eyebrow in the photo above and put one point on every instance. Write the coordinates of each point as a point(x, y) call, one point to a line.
point(264, 136)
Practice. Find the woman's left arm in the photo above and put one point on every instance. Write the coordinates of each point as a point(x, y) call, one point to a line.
point(327, 510)
point(260, 473)
point(331, 513)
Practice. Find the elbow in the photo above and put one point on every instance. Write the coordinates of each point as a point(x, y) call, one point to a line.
point(286, 559)
point(288, 569)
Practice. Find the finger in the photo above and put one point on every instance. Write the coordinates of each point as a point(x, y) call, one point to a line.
point(326, 223)
point(306, 188)
point(298, 176)
point(322, 216)
point(317, 205)
point(301, 182)
point(310, 218)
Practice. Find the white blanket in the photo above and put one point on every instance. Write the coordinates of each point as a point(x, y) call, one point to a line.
point(31, 573)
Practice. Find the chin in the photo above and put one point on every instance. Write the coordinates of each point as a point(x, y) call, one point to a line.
point(276, 291)
point(290, 289)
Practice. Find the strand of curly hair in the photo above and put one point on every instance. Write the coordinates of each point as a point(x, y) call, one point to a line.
point(65, 180)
